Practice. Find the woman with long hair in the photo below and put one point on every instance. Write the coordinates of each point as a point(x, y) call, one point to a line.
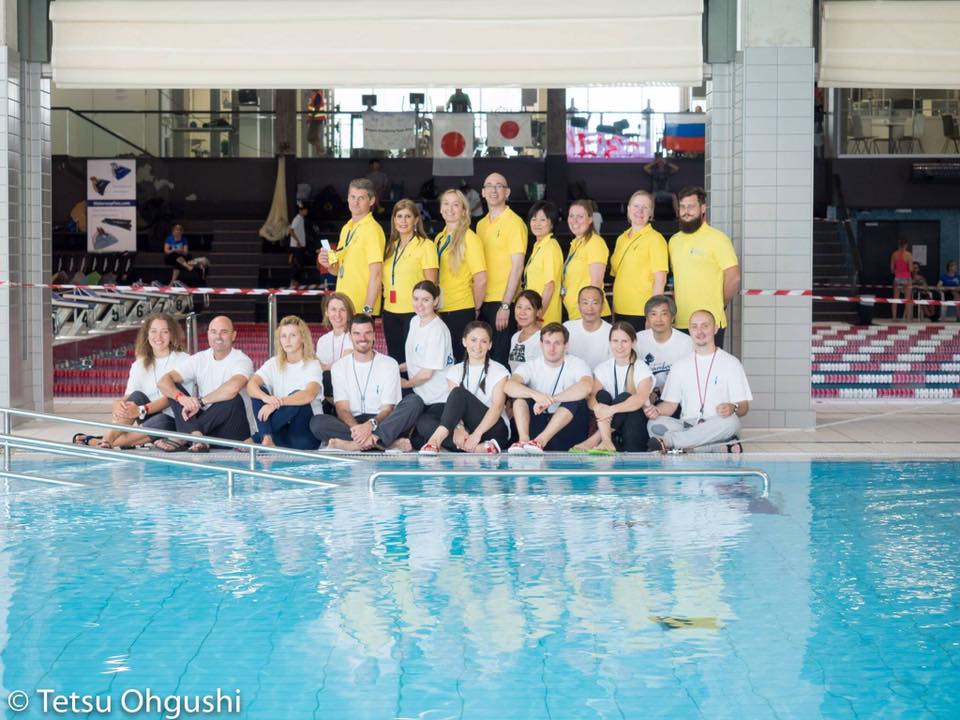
point(901, 262)
point(473, 417)
point(284, 392)
point(544, 267)
point(409, 258)
point(525, 343)
point(463, 268)
point(586, 261)
point(159, 349)
point(639, 263)
point(621, 389)
point(336, 343)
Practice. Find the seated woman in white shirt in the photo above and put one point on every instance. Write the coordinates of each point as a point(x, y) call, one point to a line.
point(525, 343)
point(284, 392)
point(621, 389)
point(473, 418)
point(159, 347)
point(331, 346)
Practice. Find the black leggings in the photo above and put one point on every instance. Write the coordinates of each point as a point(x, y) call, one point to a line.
point(456, 321)
point(629, 428)
point(395, 328)
point(461, 405)
point(501, 338)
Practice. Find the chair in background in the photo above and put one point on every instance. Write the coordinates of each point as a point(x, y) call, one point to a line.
point(950, 133)
point(859, 136)
point(913, 138)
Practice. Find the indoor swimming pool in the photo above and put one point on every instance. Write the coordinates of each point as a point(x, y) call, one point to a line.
point(834, 593)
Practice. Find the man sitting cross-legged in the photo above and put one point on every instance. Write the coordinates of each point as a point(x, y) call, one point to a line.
point(220, 406)
point(554, 387)
point(366, 394)
point(712, 389)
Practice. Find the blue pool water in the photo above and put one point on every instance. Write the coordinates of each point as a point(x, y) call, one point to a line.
point(835, 596)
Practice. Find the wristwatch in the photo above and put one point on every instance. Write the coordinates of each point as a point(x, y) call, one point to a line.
point(142, 412)
point(736, 408)
point(504, 306)
point(373, 424)
point(367, 309)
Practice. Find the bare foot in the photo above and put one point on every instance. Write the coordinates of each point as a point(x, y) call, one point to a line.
point(268, 441)
point(348, 445)
point(403, 445)
point(604, 445)
point(588, 444)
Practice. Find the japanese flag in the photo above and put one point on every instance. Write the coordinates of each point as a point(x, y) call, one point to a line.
point(453, 144)
point(508, 130)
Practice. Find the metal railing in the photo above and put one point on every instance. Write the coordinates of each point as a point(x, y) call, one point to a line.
point(652, 472)
point(9, 440)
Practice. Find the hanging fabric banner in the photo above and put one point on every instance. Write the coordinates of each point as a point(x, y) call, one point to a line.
point(389, 131)
point(453, 144)
point(508, 130)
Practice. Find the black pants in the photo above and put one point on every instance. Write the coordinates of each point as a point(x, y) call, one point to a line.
point(461, 405)
point(629, 429)
point(501, 339)
point(717, 339)
point(574, 432)
point(395, 328)
point(226, 419)
point(639, 322)
point(298, 263)
point(456, 321)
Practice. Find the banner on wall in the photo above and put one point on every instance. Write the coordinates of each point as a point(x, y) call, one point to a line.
point(509, 130)
point(453, 144)
point(389, 131)
point(111, 205)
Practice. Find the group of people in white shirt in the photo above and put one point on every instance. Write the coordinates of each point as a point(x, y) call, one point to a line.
point(585, 385)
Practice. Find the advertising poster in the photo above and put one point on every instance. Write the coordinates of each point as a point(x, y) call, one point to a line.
point(112, 205)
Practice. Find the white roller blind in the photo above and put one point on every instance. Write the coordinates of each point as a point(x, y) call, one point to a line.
point(374, 43)
point(890, 44)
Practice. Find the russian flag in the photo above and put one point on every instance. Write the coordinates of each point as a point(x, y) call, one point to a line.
point(684, 132)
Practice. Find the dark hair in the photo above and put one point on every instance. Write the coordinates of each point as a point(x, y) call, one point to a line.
point(589, 208)
point(470, 327)
point(660, 300)
point(548, 208)
point(599, 292)
point(693, 190)
point(430, 286)
point(361, 319)
point(555, 327)
point(625, 327)
point(532, 297)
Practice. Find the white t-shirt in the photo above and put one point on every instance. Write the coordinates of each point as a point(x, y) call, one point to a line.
point(593, 347)
point(331, 348)
point(521, 352)
point(659, 357)
point(549, 380)
point(429, 347)
point(209, 374)
point(299, 237)
point(293, 377)
point(613, 377)
point(145, 379)
point(495, 374)
point(367, 385)
point(726, 382)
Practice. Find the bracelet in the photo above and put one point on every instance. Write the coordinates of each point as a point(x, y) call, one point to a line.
point(178, 396)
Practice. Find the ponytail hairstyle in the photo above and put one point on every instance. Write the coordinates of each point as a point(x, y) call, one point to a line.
point(625, 327)
point(430, 286)
point(470, 327)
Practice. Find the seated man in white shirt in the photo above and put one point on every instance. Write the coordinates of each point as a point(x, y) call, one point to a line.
point(366, 394)
point(661, 344)
point(220, 407)
point(711, 387)
point(589, 335)
point(550, 396)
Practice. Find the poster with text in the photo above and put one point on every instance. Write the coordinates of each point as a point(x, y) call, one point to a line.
point(111, 205)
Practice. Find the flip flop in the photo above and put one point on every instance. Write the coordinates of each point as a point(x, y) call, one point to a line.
point(657, 445)
point(83, 439)
point(169, 446)
point(198, 448)
point(732, 443)
point(601, 451)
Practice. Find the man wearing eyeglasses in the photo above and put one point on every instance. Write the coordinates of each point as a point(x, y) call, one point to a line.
point(504, 237)
point(706, 272)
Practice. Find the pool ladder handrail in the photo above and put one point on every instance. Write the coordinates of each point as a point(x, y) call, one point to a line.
point(9, 440)
point(650, 472)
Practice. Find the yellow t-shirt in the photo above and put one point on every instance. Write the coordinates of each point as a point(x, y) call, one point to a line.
point(698, 261)
point(361, 244)
point(545, 264)
point(576, 271)
point(636, 257)
point(404, 270)
point(501, 238)
point(456, 286)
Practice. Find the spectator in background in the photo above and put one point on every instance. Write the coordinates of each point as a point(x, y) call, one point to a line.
point(586, 262)
point(950, 284)
point(474, 201)
point(544, 268)
point(297, 232)
point(921, 291)
point(316, 120)
point(901, 264)
point(358, 258)
point(381, 183)
point(459, 102)
point(660, 172)
point(640, 262)
point(176, 255)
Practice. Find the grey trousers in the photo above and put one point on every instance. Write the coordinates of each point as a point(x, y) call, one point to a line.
point(711, 431)
point(399, 421)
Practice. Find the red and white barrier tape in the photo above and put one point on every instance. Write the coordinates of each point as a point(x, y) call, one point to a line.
point(174, 290)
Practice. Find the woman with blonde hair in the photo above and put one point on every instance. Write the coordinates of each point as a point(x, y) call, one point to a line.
point(586, 262)
point(284, 392)
point(408, 259)
point(336, 343)
point(463, 267)
point(159, 349)
point(640, 262)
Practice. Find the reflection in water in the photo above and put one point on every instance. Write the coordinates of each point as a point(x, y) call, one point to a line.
point(518, 597)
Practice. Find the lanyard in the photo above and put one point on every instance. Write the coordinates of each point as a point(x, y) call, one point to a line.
point(442, 248)
point(466, 378)
point(566, 263)
point(346, 243)
point(396, 258)
point(559, 375)
point(363, 390)
point(706, 385)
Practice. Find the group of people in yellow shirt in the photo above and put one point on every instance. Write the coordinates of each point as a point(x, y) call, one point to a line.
point(480, 273)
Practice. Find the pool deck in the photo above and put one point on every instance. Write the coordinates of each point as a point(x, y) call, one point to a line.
point(844, 429)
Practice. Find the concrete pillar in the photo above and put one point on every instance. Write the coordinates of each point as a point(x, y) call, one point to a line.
point(26, 367)
point(555, 165)
point(759, 175)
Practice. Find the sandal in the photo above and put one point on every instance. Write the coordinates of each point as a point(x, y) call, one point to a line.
point(657, 445)
point(533, 447)
point(169, 446)
point(429, 449)
point(199, 447)
point(83, 439)
point(733, 446)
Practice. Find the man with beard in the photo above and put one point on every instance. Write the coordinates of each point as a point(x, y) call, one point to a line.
point(706, 273)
